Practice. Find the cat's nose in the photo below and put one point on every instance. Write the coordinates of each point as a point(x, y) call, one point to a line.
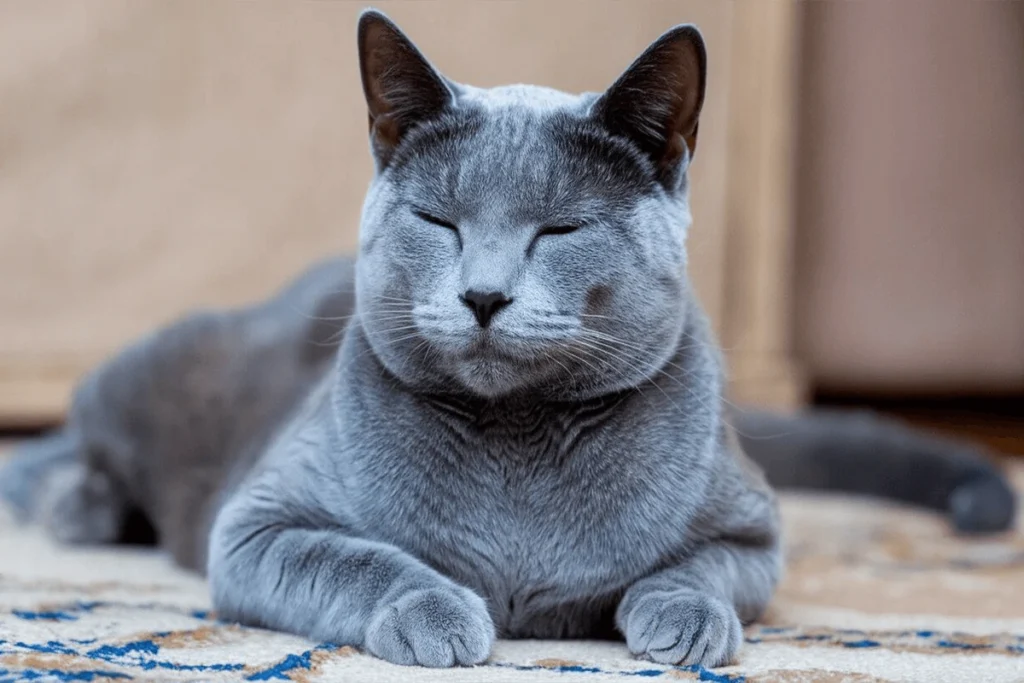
point(485, 304)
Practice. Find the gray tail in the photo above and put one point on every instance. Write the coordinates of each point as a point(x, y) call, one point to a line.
point(859, 452)
point(22, 478)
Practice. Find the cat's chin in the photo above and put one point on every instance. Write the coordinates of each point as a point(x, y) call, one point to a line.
point(492, 377)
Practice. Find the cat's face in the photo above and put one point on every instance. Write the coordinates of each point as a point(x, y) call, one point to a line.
point(523, 239)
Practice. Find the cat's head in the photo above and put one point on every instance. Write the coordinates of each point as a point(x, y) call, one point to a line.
point(521, 239)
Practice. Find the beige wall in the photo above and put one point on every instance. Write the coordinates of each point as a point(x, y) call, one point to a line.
point(157, 155)
point(911, 195)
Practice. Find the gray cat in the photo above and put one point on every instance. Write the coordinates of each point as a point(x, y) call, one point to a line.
point(521, 431)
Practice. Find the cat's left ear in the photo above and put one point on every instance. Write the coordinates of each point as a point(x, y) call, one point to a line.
point(656, 102)
point(402, 88)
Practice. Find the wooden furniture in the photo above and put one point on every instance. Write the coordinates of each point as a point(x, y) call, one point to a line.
point(156, 156)
point(755, 279)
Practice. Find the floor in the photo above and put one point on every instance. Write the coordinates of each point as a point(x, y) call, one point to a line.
point(872, 593)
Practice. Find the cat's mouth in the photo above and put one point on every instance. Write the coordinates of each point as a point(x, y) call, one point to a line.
point(488, 370)
point(490, 346)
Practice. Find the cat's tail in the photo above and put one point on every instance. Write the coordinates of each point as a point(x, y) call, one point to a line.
point(859, 452)
point(24, 476)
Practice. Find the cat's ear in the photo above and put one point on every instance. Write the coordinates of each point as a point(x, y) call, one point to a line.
point(402, 88)
point(656, 102)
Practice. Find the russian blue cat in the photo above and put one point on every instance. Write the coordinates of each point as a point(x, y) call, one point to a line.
point(521, 432)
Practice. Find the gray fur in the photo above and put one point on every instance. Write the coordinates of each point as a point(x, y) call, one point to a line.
point(863, 453)
point(565, 472)
point(164, 424)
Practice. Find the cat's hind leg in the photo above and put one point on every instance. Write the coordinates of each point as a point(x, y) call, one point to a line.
point(28, 467)
point(81, 504)
point(47, 481)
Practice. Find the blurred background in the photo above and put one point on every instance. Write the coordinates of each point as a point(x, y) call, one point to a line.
point(858, 190)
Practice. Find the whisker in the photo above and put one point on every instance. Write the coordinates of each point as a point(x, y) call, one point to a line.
point(658, 371)
point(688, 335)
point(612, 341)
point(382, 319)
point(335, 318)
point(608, 361)
point(609, 355)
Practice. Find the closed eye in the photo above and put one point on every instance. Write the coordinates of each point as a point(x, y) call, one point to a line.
point(439, 222)
point(558, 230)
point(429, 218)
point(551, 231)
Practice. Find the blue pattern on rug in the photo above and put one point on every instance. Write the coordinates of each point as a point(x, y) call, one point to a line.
point(6, 676)
point(139, 657)
point(701, 673)
point(291, 662)
point(898, 640)
point(46, 616)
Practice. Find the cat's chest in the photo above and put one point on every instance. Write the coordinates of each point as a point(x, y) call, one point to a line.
point(540, 516)
point(531, 543)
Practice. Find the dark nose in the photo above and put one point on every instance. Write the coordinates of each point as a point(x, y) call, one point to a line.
point(485, 304)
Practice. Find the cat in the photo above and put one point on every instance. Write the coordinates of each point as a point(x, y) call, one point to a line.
point(504, 418)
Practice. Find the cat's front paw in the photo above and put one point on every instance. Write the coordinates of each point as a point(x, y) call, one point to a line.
point(683, 627)
point(436, 627)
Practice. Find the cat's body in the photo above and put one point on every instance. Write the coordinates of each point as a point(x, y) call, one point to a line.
point(526, 502)
point(522, 431)
point(536, 539)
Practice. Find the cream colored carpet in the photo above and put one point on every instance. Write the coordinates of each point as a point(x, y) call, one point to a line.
point(873, 593)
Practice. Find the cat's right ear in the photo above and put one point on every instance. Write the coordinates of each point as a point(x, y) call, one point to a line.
point(656, 102)
point(402, 88)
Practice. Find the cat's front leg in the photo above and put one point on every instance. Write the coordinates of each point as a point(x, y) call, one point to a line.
point(691, 613)
point(321, 583)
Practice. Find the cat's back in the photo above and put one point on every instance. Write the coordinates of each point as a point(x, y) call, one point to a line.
point(174, 413)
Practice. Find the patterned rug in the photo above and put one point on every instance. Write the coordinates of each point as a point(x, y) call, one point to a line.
point(873, 593)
